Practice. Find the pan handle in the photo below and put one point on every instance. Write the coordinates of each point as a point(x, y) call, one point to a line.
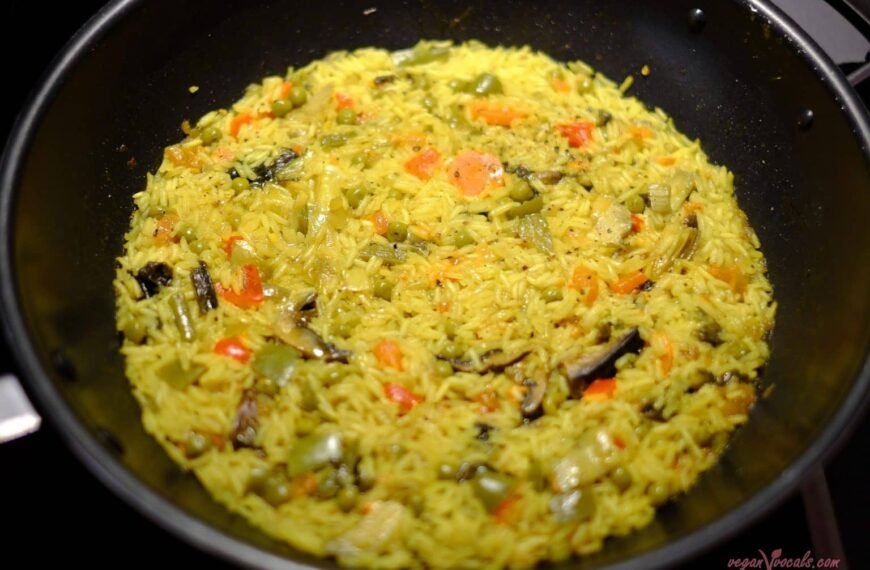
point(17, 416)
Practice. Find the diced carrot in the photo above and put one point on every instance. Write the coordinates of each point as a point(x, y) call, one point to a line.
point(224, 153)
point(637, 223)
point(488, 400)
point(560, 85)
point(388, 353)
point(666, 160)
point(228, 243)
point(663, 345)
point(473, 171)
point(640, 133)
point(422, 165)
point(285, 90)
point(343, 101)
point(578, 133)
point(503, 512)
point(164, 233)
point(245, 118)
point(185, 157)
point(406, 399)
point(379, 219)
point(692, 207)
point(731, 275)
point(233, 348)
point(252, 289)
point(585, 281)
point(493, 114)
point(629, 283)
point(303, 486)
point(443, 307)
point(600, 390)
point(618, 442)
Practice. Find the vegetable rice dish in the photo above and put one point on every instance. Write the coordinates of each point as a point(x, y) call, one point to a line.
point(451, 306)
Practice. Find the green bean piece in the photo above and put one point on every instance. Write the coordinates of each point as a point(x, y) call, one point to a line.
point(210, 135)
point(280, 107)
point(388, 254)
point(635, 204)
point(621, 478)
point(658, 494)
point(240, 184)
point(313, 452)
point(552, 294)
point(277, 362)
point(421, 54)
point(182, 317)
point(346, 116)
point(298, 96)
point(195, 444)
point(334, 140)
point(520, 191)
point(443, 368)
point(463, 237)
point(179, 377)
point(487, 84)
point(492, 488)
point(347, 498)
point(383, 288)
point(532, 206)
point(397, 232)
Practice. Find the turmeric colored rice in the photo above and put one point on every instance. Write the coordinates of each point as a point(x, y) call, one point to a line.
point(449, 307)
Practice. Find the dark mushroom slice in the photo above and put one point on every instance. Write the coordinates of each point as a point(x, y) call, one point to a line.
point(311, 345)
point(246, 422)
point(547, 177)
point(600, 364)
point(304, 309)
point(492, 361)
point(532, 406)
point(483, 430)
point(384, 79)
point(206, 297)
point(270, 172)
point(153, 276)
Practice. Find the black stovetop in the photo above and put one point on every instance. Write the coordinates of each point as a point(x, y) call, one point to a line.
point(55, 512)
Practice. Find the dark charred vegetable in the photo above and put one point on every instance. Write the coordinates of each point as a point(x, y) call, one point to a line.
point(246, 422)
point(483, 430)
point(709, 332)
point(466, 471)
point(304, 310)
point(603, 118)
point(384, 79)
point(272, 172)
point(311, 345)
point(206, 297)
point(314, 452)
point(532, 405)
point(547, 177)
point(600, 364)
point(182, 317)
point(153, 276)
point(492, 361)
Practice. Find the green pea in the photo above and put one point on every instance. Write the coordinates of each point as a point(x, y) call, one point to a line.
point(188, 233)
point(451, 350)
point(355, 196)
point(458, 86)
point(429, 102)
point(520, 191)
point(267, 386)
point(281, 107)
point(346, 116)
point(298, 96)
point(463, 237)
point(196, 444)
point(584, 85)
point(210, 135)
point(240, 184)
point(552, 294)
point(443, 368)
point(492, 488)
point(135, 331)
point(397, 231)
point(327, 484)
point(334, 140)
point(487, 84)
point(446, 471)
point(271, 486)
point(532, 206)
point(383, 289)
point(197, 247)
point(635, 204)
point(658, 494)
point(347, 498)
point(621, 478)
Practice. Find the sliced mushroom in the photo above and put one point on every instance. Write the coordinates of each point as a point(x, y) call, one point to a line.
point(311, 345)
point(532, 406)
point(492, 361)
point(601, 363)
point(613, 224)
point(305, 309)
point(246, 421)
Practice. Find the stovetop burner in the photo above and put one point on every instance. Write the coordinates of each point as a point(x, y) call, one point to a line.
point(56, 512)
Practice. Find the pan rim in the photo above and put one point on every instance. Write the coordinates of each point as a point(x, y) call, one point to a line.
point(112, 473)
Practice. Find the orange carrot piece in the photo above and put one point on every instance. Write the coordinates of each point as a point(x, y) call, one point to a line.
point(245, 118)
point(473, 171)
point(663, 344)
point(422, 165)
point(640, 133)
point(229, 242)
point(379, 219)
point(637, 223)
point(343, 101)
point(585, 281)
point(164, 233)
point(388, 353)
point(233, 348)
point(629, 283)
point(406, 399)
point(285, 90)
point(731, 275)
point(503, 512)
point(599, 390)
point(666, 160)
point(578, 133)
point(500, 115)
point(560, 85)
point(252, 289)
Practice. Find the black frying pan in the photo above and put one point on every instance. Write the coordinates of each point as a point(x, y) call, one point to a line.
point(740, 75)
